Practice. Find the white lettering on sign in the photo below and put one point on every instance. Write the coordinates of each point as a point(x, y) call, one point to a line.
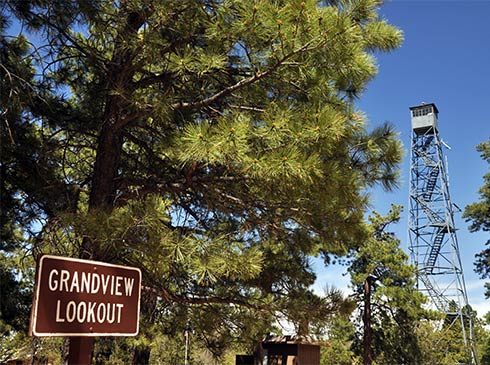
point(65, 275)
point(88, 312)
point(91, 283)
point(95, 283)
point(129, 286)
point(76, 297)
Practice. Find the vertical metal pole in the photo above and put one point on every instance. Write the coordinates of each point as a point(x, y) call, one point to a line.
point(80, 350)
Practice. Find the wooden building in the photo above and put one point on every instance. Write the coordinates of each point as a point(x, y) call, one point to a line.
point(283, 350)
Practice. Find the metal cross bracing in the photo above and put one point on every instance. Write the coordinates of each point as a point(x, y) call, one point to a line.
point(433, 243)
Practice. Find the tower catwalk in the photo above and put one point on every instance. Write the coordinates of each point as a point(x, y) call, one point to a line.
point(433, 244)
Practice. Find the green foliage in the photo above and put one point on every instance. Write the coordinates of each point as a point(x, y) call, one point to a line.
point(311, 314)
point(479, 215)
point(16, 299)
point(213, 144)
point(337, 350)
point(12, 345)
point(112, 351)
point(483, 336)
point(440, 344)
point(394, 301)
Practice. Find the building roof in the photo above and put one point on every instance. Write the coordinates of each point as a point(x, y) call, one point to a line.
point(292, 339)
point(288, 339)
point(425, 104)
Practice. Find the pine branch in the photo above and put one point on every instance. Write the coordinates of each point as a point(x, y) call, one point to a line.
point(247, 108)
point(164, 78)
point(63, 31)
point(172, 298)
point(247, 81)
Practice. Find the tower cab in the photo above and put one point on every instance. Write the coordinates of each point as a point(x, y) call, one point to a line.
point(424, 118)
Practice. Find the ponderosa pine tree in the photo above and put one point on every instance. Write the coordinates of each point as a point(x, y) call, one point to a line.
point(15, 295)
point(214, 144)
point(478, 214)
point(385, 288)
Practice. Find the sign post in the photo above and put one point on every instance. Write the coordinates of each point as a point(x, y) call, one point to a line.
point(80, 350)
point(83, 298)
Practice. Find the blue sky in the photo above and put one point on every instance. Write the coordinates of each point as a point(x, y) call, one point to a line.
point(444, 59)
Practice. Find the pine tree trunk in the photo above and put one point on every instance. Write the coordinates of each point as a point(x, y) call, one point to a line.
point(367, 358)
point(110, 141)
point(304, 328)
point(110, 144)
point(109, 148)
point(141, 356)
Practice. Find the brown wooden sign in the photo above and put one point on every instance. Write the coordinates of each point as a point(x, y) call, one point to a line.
point(77, 297)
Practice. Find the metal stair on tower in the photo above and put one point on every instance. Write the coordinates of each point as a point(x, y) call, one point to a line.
point(435, 249)
point(431, 183)
point(433, 217)
point(440, 302)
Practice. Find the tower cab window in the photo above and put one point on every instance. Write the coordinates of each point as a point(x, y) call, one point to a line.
point(422, 111)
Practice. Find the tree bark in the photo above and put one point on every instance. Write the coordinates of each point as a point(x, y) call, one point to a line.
point(141, 356)
point(109, 149)
point(367, 357)
point(120, 73)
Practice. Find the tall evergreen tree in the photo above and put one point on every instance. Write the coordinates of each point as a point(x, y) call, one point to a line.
point(478, 214)
point(17, 146)
point(214, 144)
point(390, 304)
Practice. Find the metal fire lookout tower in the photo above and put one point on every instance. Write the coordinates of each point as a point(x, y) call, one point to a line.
point(433, 244)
